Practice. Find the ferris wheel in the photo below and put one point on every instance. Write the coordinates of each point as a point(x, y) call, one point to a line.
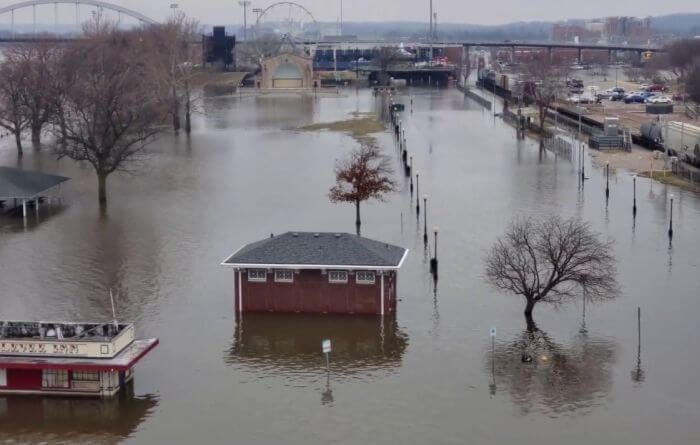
point(284, 23)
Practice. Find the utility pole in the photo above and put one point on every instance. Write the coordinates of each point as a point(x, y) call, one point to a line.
point(430, 35)
point(340, 31)
point(245, 4)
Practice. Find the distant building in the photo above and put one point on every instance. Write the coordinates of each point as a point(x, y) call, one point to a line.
point(316, 273)
point(572, 33)
point(287, 71)
point(627, 29)
point(218, 48)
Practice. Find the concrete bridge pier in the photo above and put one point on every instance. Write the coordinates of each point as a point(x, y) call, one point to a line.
point(580, 56)
point(550, 50)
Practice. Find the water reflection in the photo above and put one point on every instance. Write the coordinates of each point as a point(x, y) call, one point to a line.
point(289, 346)
point(72, 420)
point(544, 376)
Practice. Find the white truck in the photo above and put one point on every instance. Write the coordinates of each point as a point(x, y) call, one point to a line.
point(682, 140)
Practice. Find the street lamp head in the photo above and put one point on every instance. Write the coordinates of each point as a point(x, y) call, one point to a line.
point(425, 196)
point(435, 229)
point(671, 196)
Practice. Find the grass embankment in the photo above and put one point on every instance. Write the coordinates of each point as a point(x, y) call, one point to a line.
point(669, 178)
point(360, 128)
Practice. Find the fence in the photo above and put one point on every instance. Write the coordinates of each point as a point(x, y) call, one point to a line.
point(687, 172)
point(560, 146)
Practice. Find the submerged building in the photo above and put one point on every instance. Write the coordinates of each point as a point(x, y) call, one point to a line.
point(58, 358)
point(316, 273)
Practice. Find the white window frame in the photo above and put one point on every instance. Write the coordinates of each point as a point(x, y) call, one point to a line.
point(257, 279)
point(86, 376)
point(336, 280)
point(284, 280)
point(3, 377)
point(55, 378)
point(358, 280)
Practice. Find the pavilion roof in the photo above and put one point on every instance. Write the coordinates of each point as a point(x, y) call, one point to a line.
point(25, 184)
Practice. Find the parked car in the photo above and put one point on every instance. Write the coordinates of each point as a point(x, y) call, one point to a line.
point(574, 83)
point(659, 100)
point(634, 98)
point(656, 87)
point(617, 96)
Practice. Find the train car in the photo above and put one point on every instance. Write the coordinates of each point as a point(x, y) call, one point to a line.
point(683, 140)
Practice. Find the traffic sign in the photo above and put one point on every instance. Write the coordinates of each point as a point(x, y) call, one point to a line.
point(492, 331)
point(326, 346)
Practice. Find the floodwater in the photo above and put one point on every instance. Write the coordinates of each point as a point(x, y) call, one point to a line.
point(427, 375)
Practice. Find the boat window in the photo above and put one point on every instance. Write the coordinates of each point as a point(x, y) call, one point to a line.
point(86, 376)
point(54, 378)
point(364, 277)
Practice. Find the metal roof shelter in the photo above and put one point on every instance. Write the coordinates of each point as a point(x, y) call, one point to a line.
point(23, 185)
point(314, 250)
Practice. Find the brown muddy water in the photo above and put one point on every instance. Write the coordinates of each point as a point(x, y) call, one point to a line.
point(424, 376)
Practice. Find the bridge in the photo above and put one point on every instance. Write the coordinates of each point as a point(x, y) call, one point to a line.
point(102, 5)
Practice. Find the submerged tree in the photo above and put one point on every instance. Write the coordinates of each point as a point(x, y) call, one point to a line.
point(366, 174)
point(542, 86)
point(111, 109)
point(13, 113)
point(550, 261)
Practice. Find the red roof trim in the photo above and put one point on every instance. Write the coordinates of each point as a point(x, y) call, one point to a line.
point(86, 365)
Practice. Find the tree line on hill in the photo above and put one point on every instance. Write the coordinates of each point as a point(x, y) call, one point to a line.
point(101, 98)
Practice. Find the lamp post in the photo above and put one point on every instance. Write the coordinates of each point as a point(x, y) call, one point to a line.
point(434, 260)
point(425, 219)
point(417, 192)
point(245, 4)
point(670, 222)
point(634, 196)
point(410, 173)
point(607, 180)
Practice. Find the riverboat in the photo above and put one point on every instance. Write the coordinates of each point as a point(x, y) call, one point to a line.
point(68, 358)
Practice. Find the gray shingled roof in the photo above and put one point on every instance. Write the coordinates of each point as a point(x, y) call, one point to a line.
point(16, 183)
point(322, 249)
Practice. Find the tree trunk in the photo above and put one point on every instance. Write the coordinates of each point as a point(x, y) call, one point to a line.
point(36, 134)
point(528, 315)
point(18, 141)
point(188, 108)
point(176, 111)
point(357, 217)
point(102, 188)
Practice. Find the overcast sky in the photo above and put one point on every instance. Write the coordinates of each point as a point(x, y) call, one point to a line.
point(456, 11)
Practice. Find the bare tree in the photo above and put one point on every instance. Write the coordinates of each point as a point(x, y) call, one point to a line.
point(38, 62)
point(549, 260)
point(365, 175)
point(173, 46)
point(384, 58)
point(111, 110)
point(13, 114)
point(693, 84)
point(682, 55)
point(542, 86)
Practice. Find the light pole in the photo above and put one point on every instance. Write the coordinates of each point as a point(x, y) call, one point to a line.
point(245, 4)
point(425, 219)
point(670, 222)
point(634, 196)
point(410, 173)
point(417, 192)
point(607, 180)
point(434, 260)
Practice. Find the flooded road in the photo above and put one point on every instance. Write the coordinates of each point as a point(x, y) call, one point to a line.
point(425, 376)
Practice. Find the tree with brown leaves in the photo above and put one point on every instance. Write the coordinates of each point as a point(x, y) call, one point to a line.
point(111, 109)
point(550, 260)
point(364, 175)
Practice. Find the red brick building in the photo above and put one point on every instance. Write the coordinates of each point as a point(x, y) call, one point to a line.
point(316, 273)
